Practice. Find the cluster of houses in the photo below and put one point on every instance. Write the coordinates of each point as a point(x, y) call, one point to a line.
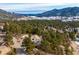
point(3, 48)
point(62, 18)
point(2, 32)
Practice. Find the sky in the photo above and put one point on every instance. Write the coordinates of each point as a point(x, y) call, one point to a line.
point(36, 6)
point(40, 1)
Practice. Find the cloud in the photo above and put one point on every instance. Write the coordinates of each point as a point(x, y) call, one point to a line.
point(58, 2)
point(23, 6)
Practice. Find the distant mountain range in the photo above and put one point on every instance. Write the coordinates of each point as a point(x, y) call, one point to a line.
point(69, 11)
point(4, 15)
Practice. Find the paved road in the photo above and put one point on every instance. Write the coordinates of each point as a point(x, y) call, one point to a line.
point(20, 51)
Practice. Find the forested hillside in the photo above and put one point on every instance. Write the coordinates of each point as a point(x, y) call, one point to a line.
point(53, 42)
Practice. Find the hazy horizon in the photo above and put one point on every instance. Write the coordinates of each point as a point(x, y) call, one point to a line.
point(33, 8)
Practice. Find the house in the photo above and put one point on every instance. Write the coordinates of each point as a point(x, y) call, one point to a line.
point(2, 25)
point(77, 29)
point(36, 39)
point(24, 35)
point(70, 29)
